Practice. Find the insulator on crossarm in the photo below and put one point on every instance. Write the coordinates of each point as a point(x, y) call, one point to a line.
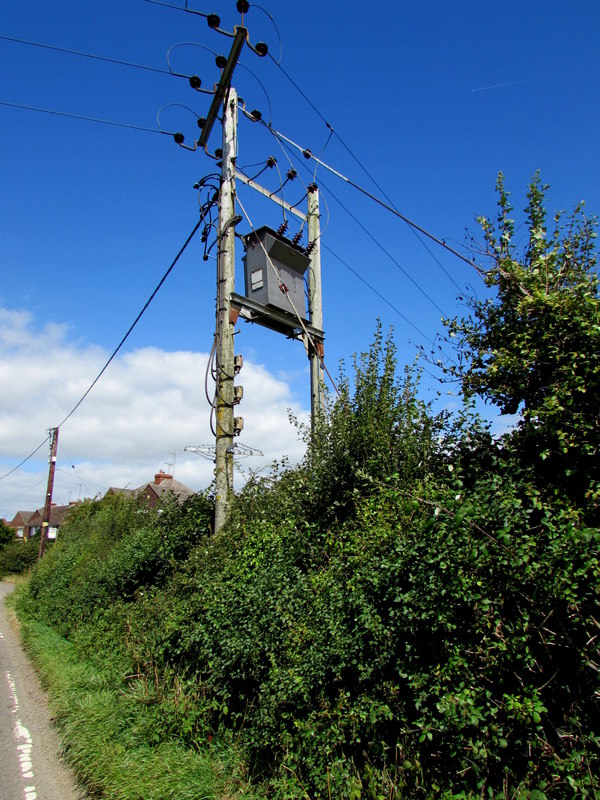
point(291, 174)
point(213, 20)
point(242, 6)
point(271, 161)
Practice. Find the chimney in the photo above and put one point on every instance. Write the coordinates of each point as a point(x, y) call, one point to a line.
point(162, 476)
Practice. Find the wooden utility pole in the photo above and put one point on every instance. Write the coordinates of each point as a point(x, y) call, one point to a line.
point(49, 489)
point(315, 305)
point(225, 326)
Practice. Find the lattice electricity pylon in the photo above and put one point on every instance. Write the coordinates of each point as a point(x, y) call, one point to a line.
point(239, 450)
point(244, 450)
point(205, 450)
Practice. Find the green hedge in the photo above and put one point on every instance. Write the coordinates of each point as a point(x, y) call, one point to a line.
point(17, 557)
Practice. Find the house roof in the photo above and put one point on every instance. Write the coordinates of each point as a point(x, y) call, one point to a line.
point(166, 487)
point(35, 518)
point(118, 490)
point(162, 486)
point(58, 514)
point(22, 519)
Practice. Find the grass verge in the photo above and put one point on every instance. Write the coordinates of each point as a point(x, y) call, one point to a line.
point(101, 731)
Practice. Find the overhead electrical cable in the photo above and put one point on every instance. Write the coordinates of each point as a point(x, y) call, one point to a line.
point(378, 293)
point(309, 155)
point(86, 119)
point(270, 16)
point(298, 89)
point(20, 464)
point(38, 482)
point(386, 251)
point(86, 55)
point(135, 322)
point(390, 201)
point(123, 340)
point(176, 8)
point(413, 227)
point(379, 244)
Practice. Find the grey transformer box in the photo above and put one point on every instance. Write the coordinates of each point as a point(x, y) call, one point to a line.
point(261, 282)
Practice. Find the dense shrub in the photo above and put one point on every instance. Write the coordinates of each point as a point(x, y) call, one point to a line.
point(108, 550)
point(438, 642)
point(7, 534)
point(377, 427)
point(16, 557)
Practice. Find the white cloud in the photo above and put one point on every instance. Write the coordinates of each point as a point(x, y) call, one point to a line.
point(148, 405)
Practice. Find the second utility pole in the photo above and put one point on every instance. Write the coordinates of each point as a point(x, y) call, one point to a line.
point(315, 306)
point(225, 327)
point(49, 490)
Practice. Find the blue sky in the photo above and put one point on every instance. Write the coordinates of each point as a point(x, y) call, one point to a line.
point(432, 99)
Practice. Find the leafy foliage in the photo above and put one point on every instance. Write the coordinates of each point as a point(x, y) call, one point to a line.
point(534, 347)
point(18, 556)
point(378, 427)
point(108, 550)
point(7, 535)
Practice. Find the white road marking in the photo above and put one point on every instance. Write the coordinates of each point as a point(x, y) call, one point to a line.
point(23, 741)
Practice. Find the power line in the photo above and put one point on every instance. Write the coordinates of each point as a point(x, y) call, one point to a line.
point(378, 243)
point(413, 226)
point(35, 485)
point(386, 251)
point(270, 16)
point(79, 116)
point(298, 89)
point(123, 340)
point(309, 155)
point(85, 55)
point(390, 201)
point(135, 322)
point(20, 464)
point(375, 291)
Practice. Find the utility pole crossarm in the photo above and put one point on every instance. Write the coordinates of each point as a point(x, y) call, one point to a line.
point(271, 195)
point(223, 85)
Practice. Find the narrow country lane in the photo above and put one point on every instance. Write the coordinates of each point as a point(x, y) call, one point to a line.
point(30, 767)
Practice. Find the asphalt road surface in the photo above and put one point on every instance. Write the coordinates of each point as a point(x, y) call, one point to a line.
point(30, 766)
